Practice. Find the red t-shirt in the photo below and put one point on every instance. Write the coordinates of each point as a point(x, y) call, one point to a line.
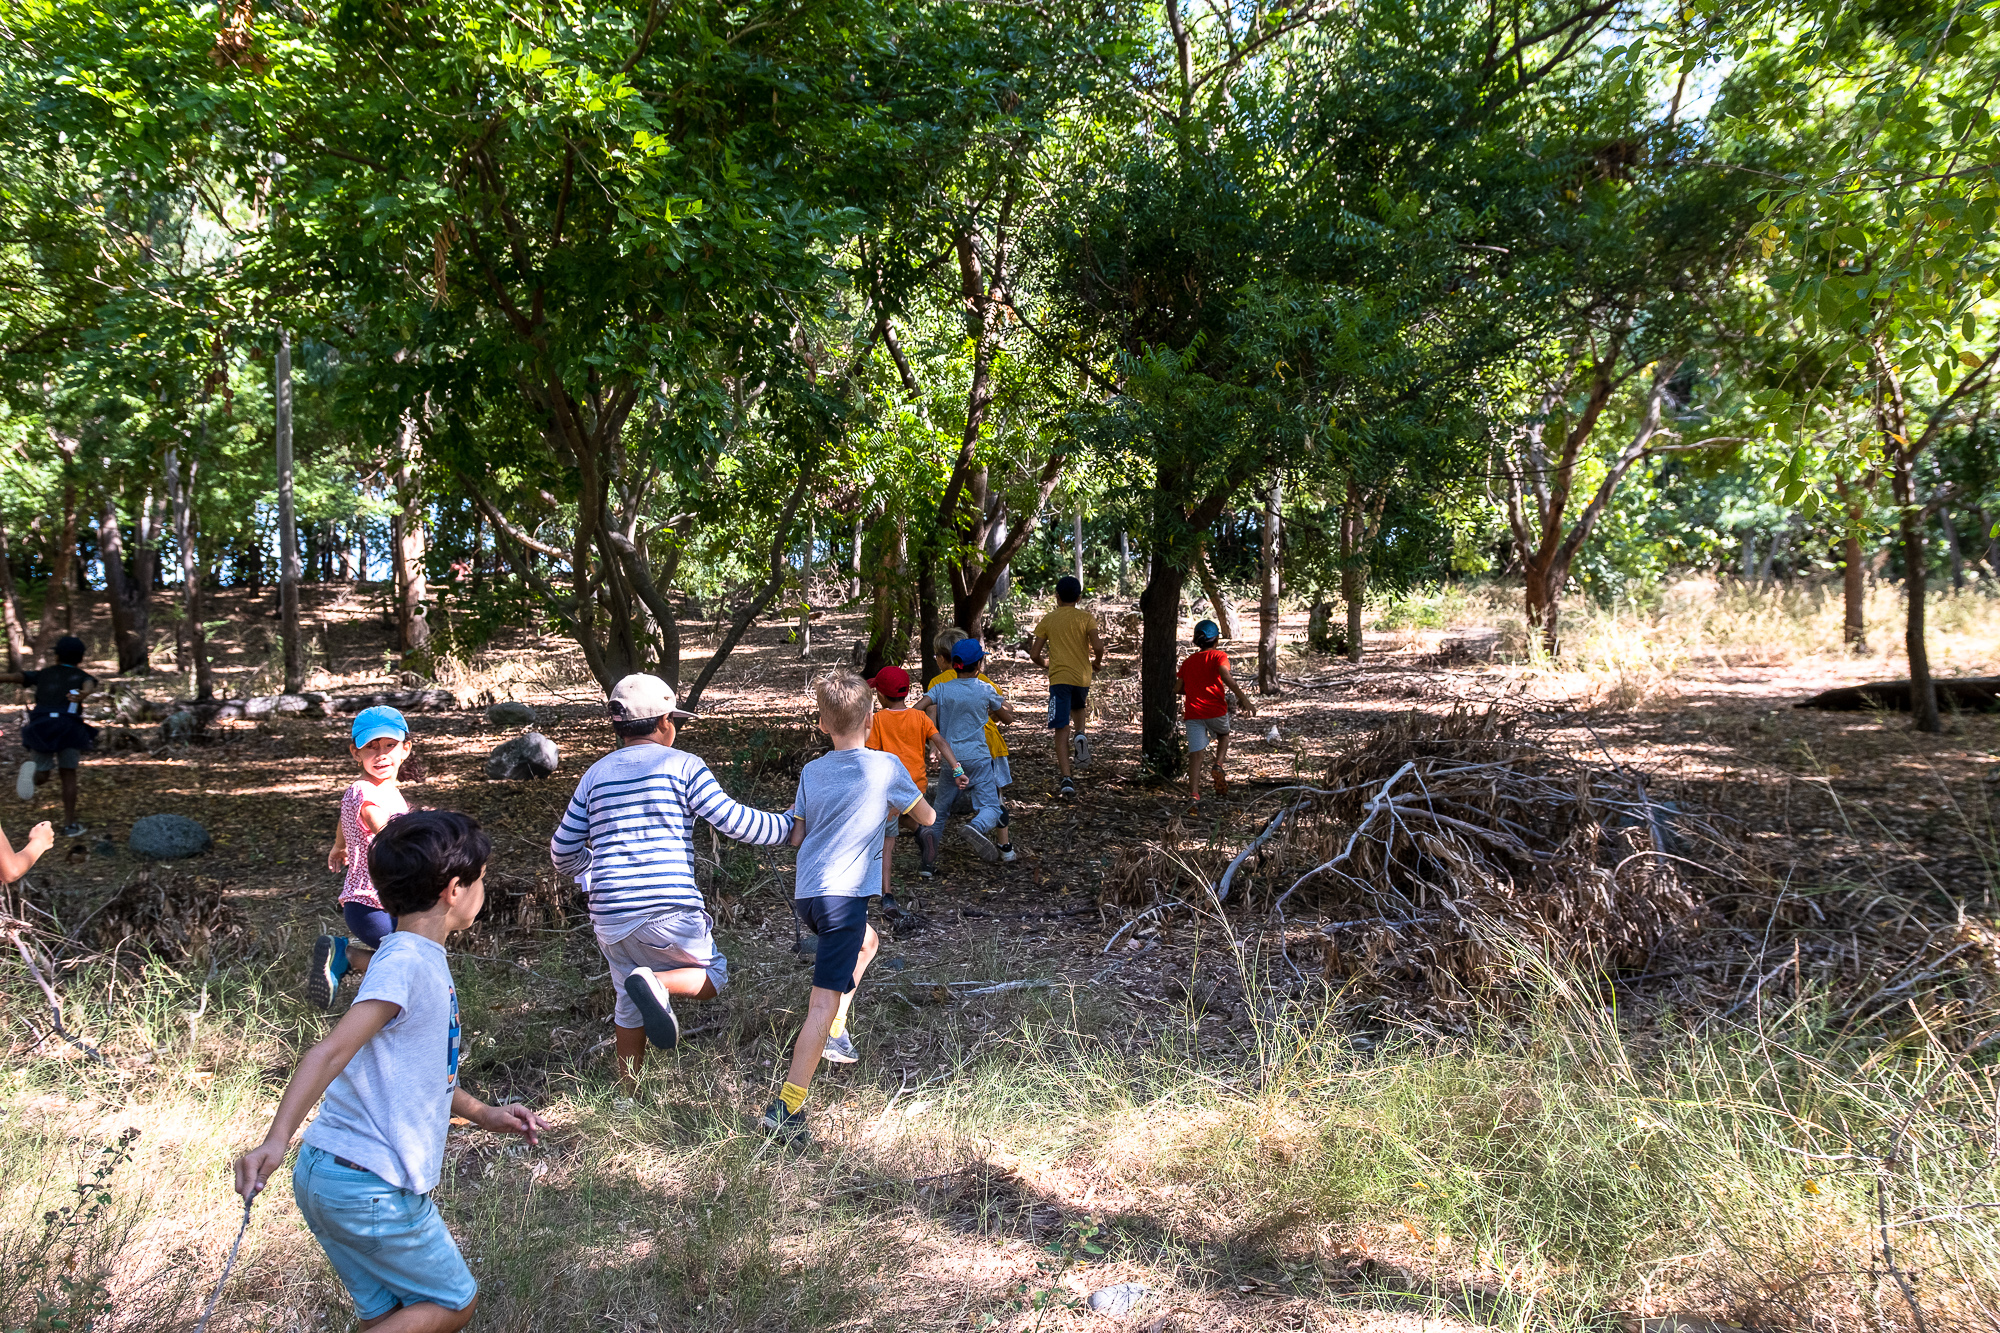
point(1201, 678)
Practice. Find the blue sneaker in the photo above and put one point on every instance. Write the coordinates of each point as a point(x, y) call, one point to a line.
point(785, 1126)
point(329, 967)
point(840, 1050)
point(656, 1011)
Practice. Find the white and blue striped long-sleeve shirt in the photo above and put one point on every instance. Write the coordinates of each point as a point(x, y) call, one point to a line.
point(627, 834)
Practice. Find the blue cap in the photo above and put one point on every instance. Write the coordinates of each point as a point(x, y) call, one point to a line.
point(374, 723)
point(968, 652)
point(1206, 631)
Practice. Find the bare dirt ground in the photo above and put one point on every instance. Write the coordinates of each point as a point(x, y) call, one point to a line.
point(1827, 799)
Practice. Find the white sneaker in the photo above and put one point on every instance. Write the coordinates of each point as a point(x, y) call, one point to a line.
point(1080, 747)
point(24, 786)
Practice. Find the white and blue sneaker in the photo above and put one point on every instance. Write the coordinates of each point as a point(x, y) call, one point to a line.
point(656, 1011)
point(1080, 749)
point(840, 1050)
point(329, 967)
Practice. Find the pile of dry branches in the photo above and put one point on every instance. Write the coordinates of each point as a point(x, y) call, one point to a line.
point(1447, 851)
point(168, 915)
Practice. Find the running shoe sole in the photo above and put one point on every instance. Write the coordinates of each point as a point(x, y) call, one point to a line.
point(979, 842)
point(76, 830)
point(663, 1029)
point(320, 983)
point(840, 1051)
point(24, 786)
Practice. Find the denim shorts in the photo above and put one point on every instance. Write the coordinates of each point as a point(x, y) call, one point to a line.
point(1200, 730)
point(676, 938)
point(1064, 700)
point(389, 1246)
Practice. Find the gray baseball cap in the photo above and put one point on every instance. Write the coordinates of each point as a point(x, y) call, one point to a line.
point(639, 696)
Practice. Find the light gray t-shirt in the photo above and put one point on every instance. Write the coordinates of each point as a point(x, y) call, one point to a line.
point(844, 797)
point(390, 1109)
point(963, 706)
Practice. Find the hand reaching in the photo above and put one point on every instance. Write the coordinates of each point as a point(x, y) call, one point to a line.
point(514, 1119)
point(253, 1168)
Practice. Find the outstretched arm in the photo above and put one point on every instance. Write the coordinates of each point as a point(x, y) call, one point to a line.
point(741, 822)
point(512, 1118)
point(15, 864)
point(945, 756)
point(569, 849)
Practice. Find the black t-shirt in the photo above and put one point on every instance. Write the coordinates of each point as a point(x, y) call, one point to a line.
point(52, 685)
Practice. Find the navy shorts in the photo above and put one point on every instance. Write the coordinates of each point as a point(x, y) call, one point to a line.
point(841, 923)
point(1063, 700)
point(370, 925)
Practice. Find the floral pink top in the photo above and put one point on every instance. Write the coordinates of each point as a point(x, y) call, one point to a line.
point(358, 888)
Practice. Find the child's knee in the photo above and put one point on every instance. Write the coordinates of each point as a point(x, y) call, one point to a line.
point(870, 943)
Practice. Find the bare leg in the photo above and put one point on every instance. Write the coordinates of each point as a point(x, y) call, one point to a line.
point(1062, 735)
point(1194, 775)
point(69, 796)
point(1221, 751)
point(888, 858)
point(423, 1317)
point(691, 983)
point(826, 1006)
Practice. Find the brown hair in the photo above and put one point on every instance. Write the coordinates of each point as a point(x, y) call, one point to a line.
point(845, 700)
point(946, 640)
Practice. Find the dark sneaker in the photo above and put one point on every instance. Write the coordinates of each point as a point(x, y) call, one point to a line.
point(785, 1126)
point(840, 1050)
point(76, 828)
point(1068, 792)
point(890, 907)
point(927, 871)
point(655, 1010)
point(979, 843)
point(329, 965)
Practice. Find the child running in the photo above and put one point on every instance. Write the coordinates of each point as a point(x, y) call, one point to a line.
point(996, 744)
point(1203, 678)
point(961, 708)
point(389, 1073)
point(627, 838)
point(842, 800)
point(56, 734)
point(380, 744)
point(907, 733)
point(1067, 643)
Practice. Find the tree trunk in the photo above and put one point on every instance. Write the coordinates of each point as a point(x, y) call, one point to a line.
point(360, 553)
point(1124, 563)
point(854, 564)
point(1077, 528)
point(1218, 601)
point(288, 526)
point(1853, 588)
point(927, 605)
point(61, 580)
point(996, 539)
point(806, 591)
point(1544, 606)
point(1354, 595)
point(1267, 606)
point(129, 587)
point(1953, 550)
point(10, 608)
point(180, 490)
point(1159, 659)
point(1923, 696)
point(408, 546)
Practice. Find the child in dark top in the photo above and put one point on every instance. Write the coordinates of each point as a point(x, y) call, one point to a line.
point(1203, 678)
point(56, 734)
point(843, 799)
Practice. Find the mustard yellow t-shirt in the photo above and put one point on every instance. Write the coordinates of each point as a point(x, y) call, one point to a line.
point(1068, 629)
point(996, 744)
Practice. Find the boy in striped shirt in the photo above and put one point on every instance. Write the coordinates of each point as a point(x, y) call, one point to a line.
point(627, 839)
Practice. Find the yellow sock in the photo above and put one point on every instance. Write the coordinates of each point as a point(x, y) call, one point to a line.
point(839, 1026)
point(793, 1096)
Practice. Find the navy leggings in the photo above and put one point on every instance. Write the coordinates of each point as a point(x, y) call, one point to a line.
point(370, 925)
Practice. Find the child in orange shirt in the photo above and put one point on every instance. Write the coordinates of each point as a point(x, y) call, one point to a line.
point(907, 733)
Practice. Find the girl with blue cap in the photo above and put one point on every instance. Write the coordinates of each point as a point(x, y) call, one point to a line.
point(381, 746)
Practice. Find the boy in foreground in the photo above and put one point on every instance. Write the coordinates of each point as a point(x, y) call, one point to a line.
point(908, 734)
point(1067, 643)
point(389, 1072)
point(627, 838)
point(1203, 678)
point(56, 734)
point(837, 826)
point(961, 707)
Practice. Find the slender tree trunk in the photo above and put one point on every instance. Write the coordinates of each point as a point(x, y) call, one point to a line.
point(10, 608)
point(360, 552)
point(1923, 696)
point(854, 564)
point(806, 592)
point(478, 555)
point(408, 540)
point(62, 561)
point(1853, 588)
point(996, 538)
point(1077, 529)
point(1211, 588)
point(288, 526)
point(1267, 605)
point(1124, 563)
point(1159, 658)
point(181, 496)
point(927, 604)
point(1953, 550)
point(128, 590)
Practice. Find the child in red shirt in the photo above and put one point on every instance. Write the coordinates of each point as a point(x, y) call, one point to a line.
point(1203, 678)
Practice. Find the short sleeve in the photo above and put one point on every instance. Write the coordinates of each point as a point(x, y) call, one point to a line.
point(1221, 662)
point(1042, 626)
point(391, 979)
point(31, 678)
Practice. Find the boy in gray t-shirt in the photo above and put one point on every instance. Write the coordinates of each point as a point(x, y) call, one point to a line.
point(843, 799)
point(389, 1073)
point(960, 709)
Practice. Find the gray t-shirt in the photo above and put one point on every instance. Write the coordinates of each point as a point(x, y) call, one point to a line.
point(963, 705)
point(390, 1108)
point(844, 797)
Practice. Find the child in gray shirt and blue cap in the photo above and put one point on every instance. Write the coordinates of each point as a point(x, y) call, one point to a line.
point(960, 708)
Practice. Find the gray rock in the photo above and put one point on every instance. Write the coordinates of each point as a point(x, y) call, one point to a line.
point(168, 837)
point(511, 713)
point(290, 705)
point(528, 755)
point(261, 705)
point(232, 708)
point(1119, 1299)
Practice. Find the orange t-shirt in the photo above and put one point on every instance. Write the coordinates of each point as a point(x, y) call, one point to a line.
point(904, 732)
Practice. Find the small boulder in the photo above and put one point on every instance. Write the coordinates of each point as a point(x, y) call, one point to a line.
point(1118, 1300)
point(290, 705)
point(228, 710)
point(511, 713)
point(528, 755)
point(261, 705)
point(168, 837)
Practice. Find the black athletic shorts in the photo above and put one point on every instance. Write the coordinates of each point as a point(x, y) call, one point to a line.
point(841, 923)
